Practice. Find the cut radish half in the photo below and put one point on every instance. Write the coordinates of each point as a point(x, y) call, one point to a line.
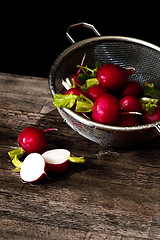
point(33, 168)
point(56, 160)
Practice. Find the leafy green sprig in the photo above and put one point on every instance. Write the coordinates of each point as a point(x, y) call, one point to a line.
point(151, 97)
point(149, 104)
point(93, 72)
point(150, 91)
point(83, 104)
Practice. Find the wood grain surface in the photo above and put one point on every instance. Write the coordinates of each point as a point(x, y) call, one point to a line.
point(115, 195)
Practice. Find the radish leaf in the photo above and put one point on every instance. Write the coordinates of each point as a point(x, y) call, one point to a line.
point(83, 103)
point(85, 76)
point(64, 101)
point(149, 104)
point(150, 91)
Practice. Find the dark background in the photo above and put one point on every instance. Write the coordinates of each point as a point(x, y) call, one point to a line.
point(32, 36)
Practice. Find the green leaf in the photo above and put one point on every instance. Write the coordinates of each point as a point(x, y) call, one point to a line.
point(97, 65)
point(150, 91)
point(149, 104)
point(84, 104)
point(83, 107)
point(147, 84)
point(64, 101)
point(89, 83)
point(85, 76)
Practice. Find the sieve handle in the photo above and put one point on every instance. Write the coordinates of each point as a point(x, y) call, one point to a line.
point(77, 25)
point(158, 128)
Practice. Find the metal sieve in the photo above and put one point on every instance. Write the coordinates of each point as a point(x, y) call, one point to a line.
point(124, 51)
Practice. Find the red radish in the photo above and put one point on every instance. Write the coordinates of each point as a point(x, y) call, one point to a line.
point(106, 109)
point(33, 168)
point(75, 91)
point(96, 91)
point(112, 76)
point(32, 139)
point(150, 118)
point(130, 104)
point(132, 88)
point(128, 120)
point(56, 160)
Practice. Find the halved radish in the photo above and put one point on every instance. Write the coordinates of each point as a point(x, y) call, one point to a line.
point(33, 168)
point(56, 160)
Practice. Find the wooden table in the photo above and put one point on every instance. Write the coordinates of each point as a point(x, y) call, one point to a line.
point(115, 195)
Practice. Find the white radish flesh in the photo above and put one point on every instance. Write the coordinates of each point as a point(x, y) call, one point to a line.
point(33, 168)
point(56, 160)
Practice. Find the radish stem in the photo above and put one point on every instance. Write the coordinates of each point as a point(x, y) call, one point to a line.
point(76, 159)
point(81, 64)
point(85, 68)
point(67, 84)
point(17, 163)
point(19, 152)
point(129, 113)
point(50, 129)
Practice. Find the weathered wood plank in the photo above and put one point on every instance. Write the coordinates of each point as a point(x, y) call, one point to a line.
point(115, 195)
point(19, 93)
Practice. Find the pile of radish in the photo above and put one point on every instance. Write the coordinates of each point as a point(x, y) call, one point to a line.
point(39, 161)
point(106, 95)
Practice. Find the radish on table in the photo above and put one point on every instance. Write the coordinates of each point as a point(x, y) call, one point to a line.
point(38, 161)
point(57, 160)
point(33, 168)
point(35, 165)
point(30, 140)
